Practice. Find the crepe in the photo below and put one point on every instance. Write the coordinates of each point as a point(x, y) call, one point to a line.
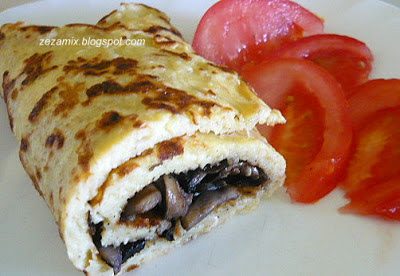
point(136, 149)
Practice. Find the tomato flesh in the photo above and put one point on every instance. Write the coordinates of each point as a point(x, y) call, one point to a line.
point(236, 32)
point(318, 131)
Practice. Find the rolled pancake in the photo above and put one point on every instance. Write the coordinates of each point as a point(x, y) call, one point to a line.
point(96, 125)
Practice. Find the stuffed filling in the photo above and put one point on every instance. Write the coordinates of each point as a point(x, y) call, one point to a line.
point(174, 200)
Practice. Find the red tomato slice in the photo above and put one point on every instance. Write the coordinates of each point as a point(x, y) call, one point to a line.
point(234, 32)
point(374, 132)
point(347, 59)
point(372, 182)
point(376, 154)
point(371, 97)
point(382, 199)
point(316, 138)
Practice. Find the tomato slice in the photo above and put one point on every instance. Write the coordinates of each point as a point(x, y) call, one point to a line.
point(235, 32)
point(372, 181)
point(382, 199)
point(317, 136)
point(376, 151)
point(347, 59)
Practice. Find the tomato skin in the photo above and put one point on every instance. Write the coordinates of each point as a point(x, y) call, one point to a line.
point(233, 32)
point(273, 80)
point(347, 59)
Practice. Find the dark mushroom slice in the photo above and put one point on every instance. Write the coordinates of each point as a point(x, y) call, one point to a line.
point(205, 203)
point(210, 186)
point(176, 200)
point(168, 234)
point(131, 248)
point(197, 176)
point(112, 256)
point(142, 202)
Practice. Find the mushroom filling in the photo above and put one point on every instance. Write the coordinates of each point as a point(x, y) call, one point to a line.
point(185, 198)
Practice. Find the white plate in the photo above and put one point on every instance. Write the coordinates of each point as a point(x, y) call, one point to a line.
point(279, 238)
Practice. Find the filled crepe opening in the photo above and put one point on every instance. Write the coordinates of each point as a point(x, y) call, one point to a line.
point(175, 203)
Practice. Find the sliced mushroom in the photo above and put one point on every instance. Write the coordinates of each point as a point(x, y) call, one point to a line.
point(142, 202)
point(131, 248)
point(205, 203)
point(112, 256)
point(197, 177)
point(176, 200)
point(211, 186)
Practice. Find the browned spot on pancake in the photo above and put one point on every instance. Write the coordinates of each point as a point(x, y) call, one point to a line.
point(115, 26)
point(104, 18)
point(169, 149)
point(56, 139)
point(36, 185)
point(249, 191)
point(60, 191)
point(109, 119)
point(24, 146)
point(37, 65)
point(46, 168)
point(8, 84)
point(112, 118)
point(157, 96)
point(37, 28)
point(222, 67)
point(210, 92)
point(96, 67)
point(132, 267)
point(126, 168)
point(14, 94)
point(85, 154)
point(183, 55)
point(157, 66)
point(157, 29)
point(41, 104)
point(100, 193)
point(84, 158)
point(111, 87)
point(146, 220)
point(2, 35)
point(70, 98)
point(147, 152)
point(177, 101)
point(81, 134)
point(162, 41)
point(60, 233)
point(51, 200)
point(38, 174)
